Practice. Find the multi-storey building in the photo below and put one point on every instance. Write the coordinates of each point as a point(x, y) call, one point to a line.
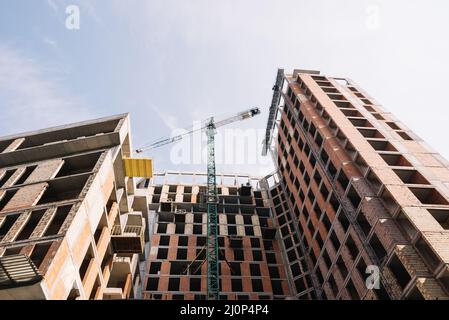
point(71, 223)
point(251, 263)
point(357, 192)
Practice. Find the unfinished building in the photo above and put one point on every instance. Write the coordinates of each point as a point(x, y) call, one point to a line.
point(355, 192)
point(251, 263)
point(71, 226)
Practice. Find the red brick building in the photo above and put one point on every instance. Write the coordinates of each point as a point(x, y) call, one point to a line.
point(357, 190)
point(251, 262)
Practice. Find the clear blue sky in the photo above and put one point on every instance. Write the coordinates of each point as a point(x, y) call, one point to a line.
point(169, 63)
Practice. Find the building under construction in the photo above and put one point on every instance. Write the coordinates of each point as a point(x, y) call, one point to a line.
point(358, 208)
point(358, 195)
point(251, 264)
point(71, 223)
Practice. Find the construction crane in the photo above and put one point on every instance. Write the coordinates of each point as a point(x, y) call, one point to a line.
point(212, 256)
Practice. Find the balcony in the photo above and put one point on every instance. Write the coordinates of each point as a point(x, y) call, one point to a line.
point(130, 238)
point(17, 271)
point(120, 279)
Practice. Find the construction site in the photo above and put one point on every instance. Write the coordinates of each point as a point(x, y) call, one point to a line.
point(357, 208)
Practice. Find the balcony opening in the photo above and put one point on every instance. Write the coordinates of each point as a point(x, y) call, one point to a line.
point(173, 284)
point(157, 190)
point(399, 271)
point(382, 145)
point(335, 204)
point(366, 101)
point(30, 225)
point(79, 164)
point(354, 197)
point(361, 122)
point(326, 222)
point(374, 181)
point(393, 125)
point(195, 284)
point(8, 222)
point(181, 254)
point(197, 229)
point(63, 189)
point(440, 215)
point(236, 285)
point(371, 133)
point(378, 116)
point(429, 196)
point(58, 220)
point(197, 218)
point(331, 169)
point(300, 285)
point(13, 251)
point(7, 196)
point(361, 267)
point(369, 108)
point(395, 160)
point(95, 288)
point(162, 228)
point(6, 176)
point(152, 284)
point(406, 226)
point(277, 288)
point(427, 254)
point(344, 222)
point(187, 189)
point(257, 285)
point(183, 241)
point(254, 270)
point(162, 253)
point(415, 294)
point(155, 267)
point(444, 280)
point(25, 175)
point(404, 135)
point(69, 134)
point(74, 293)
point(156, 198)
point(39, 253)
point(179, 228)
point(178, 267)
point(352, 248)
point(363, 223)
point(335, 241)
point(352, 291)
point(338, 97)
point(351, 113)
point(164, 240)
point(333, 285)
point(343, 179)
point(378, 247)
point(389, 202)
point(411, 176)
point(257, 255)
point(86, 262)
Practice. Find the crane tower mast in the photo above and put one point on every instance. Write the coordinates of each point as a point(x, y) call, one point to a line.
point(213, 280)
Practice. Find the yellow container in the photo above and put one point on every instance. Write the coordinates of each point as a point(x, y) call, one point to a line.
point(138, 167)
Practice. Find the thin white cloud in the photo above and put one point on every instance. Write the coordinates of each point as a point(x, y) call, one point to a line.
point(30, 99)
point(52, 5)
point(169, 120)
point(50, 42)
